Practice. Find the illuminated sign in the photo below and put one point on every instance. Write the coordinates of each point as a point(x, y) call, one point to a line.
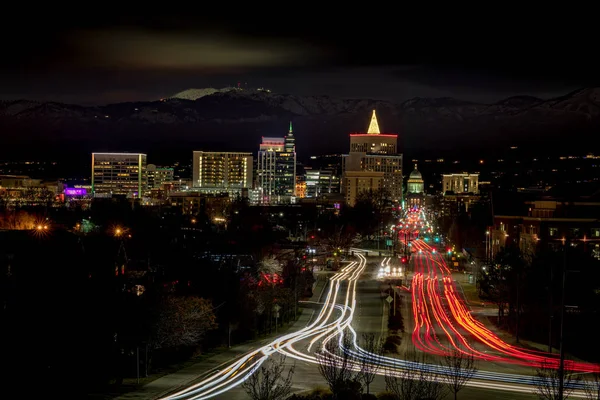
point(75, 191)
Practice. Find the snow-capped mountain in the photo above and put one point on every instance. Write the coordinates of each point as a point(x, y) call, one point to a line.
point(236, 117)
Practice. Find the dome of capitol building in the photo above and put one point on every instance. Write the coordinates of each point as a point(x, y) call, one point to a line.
point(415, 182)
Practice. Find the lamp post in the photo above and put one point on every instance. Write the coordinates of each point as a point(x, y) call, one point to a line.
point(487, 246)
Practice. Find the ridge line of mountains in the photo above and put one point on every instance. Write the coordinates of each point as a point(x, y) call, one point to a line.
point(235, 119)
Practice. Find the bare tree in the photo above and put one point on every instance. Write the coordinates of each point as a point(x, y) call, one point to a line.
point(270, 382)
point(183, 321)
point(338, 368)
point(420, 382)
point(369, 366)
point(592, 388)
point(547, 382)
point(459, 368)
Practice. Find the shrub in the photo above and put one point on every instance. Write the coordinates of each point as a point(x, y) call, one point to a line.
point(386, 396)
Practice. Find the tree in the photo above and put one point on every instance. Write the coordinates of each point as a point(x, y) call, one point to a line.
point(337, 368)
point(341, 239)
point(369, 366)
point(547, 382)
point(371, 211)
point(17, 220)
point(270, 382)
point(459, 369)
point(183, 321)
point(420, 383)
point(592, 388)
point(269, 265)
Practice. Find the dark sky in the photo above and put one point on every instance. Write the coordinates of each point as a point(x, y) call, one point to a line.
point(88, 56)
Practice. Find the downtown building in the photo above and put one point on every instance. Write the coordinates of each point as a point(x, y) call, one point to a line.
point(157, 176)
point(222, 172)
point(276, 170)
point(460, 191)
point(373, 163)
point(120, 174)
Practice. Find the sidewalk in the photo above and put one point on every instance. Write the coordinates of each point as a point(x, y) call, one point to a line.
point(184, 377)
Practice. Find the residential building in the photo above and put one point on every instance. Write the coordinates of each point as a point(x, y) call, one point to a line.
point(119, 174)
point(562, 214)
point(375, 156)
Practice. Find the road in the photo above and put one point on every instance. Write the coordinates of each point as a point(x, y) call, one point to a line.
point(445, 323)
point(353, 305)
point(335, 317)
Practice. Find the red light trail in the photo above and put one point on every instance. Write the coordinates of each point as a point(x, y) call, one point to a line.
point(443, 321)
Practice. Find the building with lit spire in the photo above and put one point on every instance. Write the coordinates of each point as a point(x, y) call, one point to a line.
point(373, 163)
point(276, 169)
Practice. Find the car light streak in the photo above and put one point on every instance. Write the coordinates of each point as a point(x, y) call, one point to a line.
point(436, 307)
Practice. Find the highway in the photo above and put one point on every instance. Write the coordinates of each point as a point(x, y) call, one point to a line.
point(442, 321)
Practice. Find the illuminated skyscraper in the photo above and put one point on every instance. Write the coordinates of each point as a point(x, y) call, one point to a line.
point(119, 174)
point(276, 169)
point(373, 163)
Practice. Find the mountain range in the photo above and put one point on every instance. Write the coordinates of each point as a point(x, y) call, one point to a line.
point(235, 119)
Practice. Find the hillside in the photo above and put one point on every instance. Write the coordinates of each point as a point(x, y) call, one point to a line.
point(236, 119)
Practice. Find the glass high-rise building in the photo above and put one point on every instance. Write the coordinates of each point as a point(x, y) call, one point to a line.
point(276, 169)
point(119, 174)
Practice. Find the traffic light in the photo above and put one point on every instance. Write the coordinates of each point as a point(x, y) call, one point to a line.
point(404, 260)
point(449, 251)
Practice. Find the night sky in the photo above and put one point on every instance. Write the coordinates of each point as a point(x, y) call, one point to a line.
point(88, 56)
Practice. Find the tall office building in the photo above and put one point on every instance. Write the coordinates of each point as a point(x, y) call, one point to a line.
point(219, 172)
point(119, 174)
point(276, 169)
point(373, 163)
point(320, 182)
point(329, 169)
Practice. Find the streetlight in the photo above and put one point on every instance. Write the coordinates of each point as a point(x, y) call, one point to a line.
point(487, 246)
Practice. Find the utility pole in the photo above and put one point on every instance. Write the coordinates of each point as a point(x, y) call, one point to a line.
point(551, 301)
point(518, 306)
point(394, 301)
point(561, 366)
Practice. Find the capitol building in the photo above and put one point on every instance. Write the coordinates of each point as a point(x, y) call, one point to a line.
point(415, 189)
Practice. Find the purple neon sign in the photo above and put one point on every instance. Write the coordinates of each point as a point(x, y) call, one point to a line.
point(75, 192)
